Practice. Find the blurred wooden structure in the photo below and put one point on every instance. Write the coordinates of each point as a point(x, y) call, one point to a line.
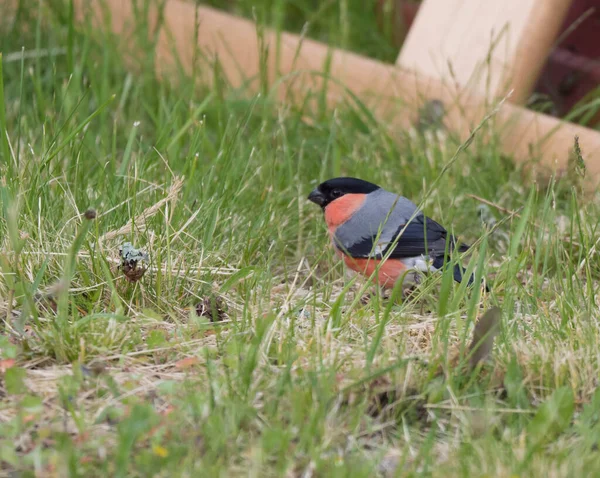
point(489, 47)
point(570, 77)
point(394, 92)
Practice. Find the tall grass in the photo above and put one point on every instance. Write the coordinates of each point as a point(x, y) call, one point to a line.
point(102, 376)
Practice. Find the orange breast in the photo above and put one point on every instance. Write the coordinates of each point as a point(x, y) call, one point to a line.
point(389, 273)
point(340, 210)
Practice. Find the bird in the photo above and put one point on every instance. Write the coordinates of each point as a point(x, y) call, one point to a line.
point(368, 225)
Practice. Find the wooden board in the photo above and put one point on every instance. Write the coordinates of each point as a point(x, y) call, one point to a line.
point(488, 46)
point(393, 94)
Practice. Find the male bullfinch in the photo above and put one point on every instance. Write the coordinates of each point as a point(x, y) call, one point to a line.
point(366, 223)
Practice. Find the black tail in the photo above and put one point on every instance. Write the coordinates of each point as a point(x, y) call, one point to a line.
point(459, 271)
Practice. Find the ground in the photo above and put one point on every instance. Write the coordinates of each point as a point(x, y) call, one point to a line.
point(239, 346)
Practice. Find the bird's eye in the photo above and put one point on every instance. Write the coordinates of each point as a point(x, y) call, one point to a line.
point(336, 193)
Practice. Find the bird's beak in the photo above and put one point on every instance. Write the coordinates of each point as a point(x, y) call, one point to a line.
point(317, 197)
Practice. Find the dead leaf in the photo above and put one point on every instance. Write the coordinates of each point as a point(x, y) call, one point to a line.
point(484, 333)
point(29, 418)
point(187, 362)
point(6, 364)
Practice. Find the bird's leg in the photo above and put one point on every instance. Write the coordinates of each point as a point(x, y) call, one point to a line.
point(385, 292)
point(365, 299)
point(409, 292)
point(378, 291)
point(410, 283)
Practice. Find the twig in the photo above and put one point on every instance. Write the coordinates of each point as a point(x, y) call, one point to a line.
point(513, 213)
point(475, 409)
point(497, 206)
point(147, 213)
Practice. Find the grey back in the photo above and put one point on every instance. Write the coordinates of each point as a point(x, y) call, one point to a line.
point(381, 210)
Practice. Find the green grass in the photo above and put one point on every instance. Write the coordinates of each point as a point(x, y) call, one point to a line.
point(104, 377)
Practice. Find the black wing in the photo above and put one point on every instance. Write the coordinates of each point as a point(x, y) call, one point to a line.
point(422, 236)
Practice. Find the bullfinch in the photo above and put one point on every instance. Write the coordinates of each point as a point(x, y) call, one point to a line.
point(367, 224)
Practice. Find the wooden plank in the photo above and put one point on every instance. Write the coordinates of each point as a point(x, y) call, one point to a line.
point(393, 94)
point(488, 46)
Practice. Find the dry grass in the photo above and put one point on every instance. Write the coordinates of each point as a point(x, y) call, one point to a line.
point(301, 376)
